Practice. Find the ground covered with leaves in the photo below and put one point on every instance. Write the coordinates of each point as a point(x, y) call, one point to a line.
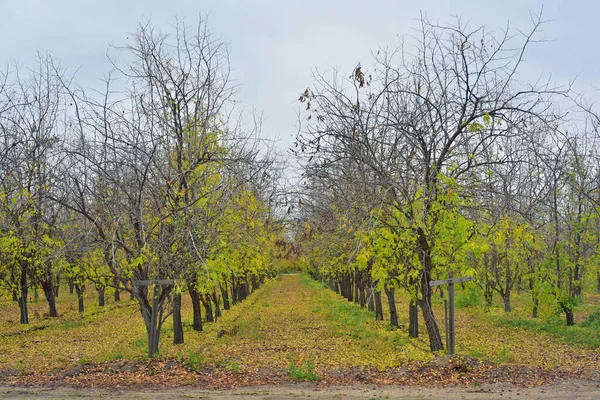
point(290, 330)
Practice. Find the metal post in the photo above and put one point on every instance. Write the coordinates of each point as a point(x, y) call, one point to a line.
point(446, 320)
point(451, 314)
point(450, 327)
point(152, 348)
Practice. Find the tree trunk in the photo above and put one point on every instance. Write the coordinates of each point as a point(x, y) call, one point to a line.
point(534, 297)
point(255, 284)
point(195, 296)
point(23, 299)
point(151, 307)
point(332, 284)
point(570, 316)
point(246, 290)
point(117, 290)
point(370, 299)
point(356, 285)
point(378, 306)
point(413, 319)
point(177, 323)
point(71, 286)
point(100, 290)
point(598, 282)
point(488, 292)
point(225, 296)
point(433, 331)
point(577, 280)
point(506, 299)
point(79, 291)
point(342, 290)
point(242, 291)
point(208, 308)
point(49, 292)
point(234, 298)
point(391, 295)
point(215, 298)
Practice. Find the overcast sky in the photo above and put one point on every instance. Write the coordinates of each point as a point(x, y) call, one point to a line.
point(275, 45)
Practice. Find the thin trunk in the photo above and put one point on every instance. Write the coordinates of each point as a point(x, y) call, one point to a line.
point(225, 296)
point(577, 280)
point(508, 285)
point(433, 331)
point(342, 290)
point(413, 319)
point(177, 322)
point(234, 298)
point(117, 290)
point(100, 290)
point(371, 299)
point(378, 306)
point(570, 316)
point(242, 291)
point(356, 285)
point(79, 291)
point(246, 290)
point(391, 296)
point(208, 308)
point(506, 299)
point(215, 298)
point(488, 293)
point(23, 299)
point(255, 284)
point(50, 297)
point(196, 306)
point(71, 286)
point(534, 297)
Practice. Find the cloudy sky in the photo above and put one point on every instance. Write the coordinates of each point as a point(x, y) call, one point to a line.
point(277, 44)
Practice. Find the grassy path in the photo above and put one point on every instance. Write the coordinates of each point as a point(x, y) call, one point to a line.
point(295, 321)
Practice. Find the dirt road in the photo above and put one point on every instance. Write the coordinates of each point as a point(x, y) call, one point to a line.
point(571, 390)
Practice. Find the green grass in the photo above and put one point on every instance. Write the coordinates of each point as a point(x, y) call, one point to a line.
point(193, 361)
point(585, 334)
point(304, 372)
